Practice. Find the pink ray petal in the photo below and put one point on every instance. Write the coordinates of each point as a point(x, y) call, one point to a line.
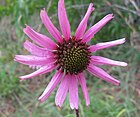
point(40, 39)
point(49, 26)
point(82, 81)
point(36, 50)
point(98, 60)
point(83, 24)
point(33, 60)
point(62, 91)
point(63, 20)
point(94, 29)
point(42, 70)
point(51, 86)
point(98, 72)
point(104, 45)
point(73, 92)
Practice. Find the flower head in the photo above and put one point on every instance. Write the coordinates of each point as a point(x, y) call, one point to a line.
point(69, 56)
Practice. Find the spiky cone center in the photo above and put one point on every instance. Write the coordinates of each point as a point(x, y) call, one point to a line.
point(72, 56)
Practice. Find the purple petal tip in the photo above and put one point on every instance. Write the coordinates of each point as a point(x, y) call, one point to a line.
point(26, 28)
point(124, 64)
point(117, 83)
point(41, 101)
point(91, 4)
point(43, 11)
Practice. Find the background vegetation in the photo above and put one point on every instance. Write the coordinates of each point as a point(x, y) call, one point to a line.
point(19, 99)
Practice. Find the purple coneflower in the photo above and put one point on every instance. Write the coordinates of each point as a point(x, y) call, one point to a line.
point(70, 56)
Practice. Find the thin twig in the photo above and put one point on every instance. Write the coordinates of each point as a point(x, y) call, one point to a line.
point(135, 5)
point(126, 9)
